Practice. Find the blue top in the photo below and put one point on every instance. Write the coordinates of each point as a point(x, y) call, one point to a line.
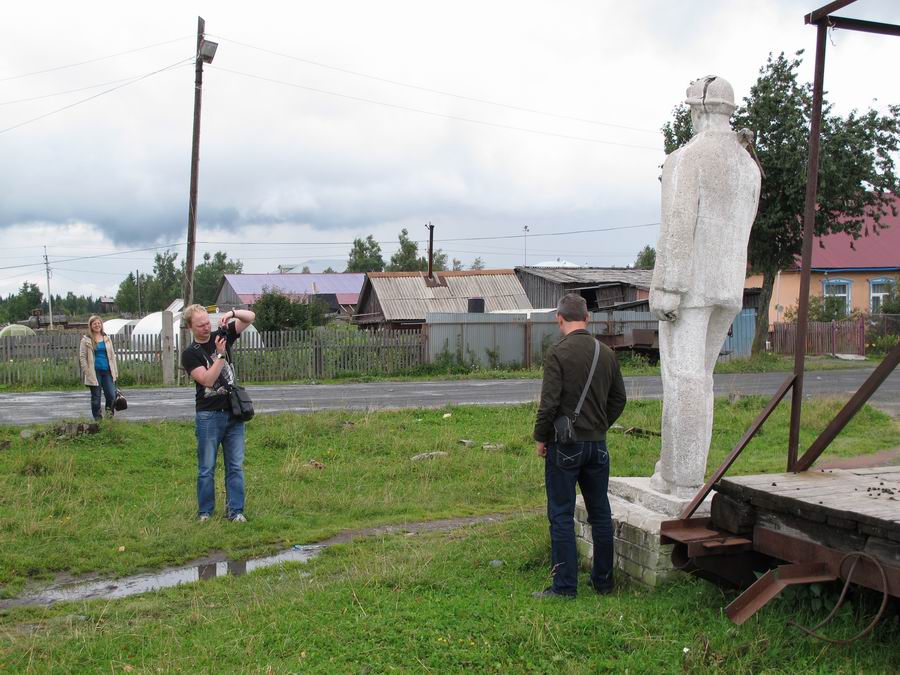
point(101, 360)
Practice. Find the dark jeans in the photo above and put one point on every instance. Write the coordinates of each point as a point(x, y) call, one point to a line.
point(593, 478)
point(104, 382)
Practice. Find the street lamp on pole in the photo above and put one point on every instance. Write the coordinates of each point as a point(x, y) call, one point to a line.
point(206, 51)
point(526, 231)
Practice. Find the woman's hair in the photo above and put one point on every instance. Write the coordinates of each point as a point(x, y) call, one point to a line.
point(91, 330)
point(187, 314)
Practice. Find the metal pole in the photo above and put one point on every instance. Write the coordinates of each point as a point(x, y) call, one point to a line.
point(430, 250)
point(49, 296)
point(809, 226)
point(195, 162)
point(525, 229)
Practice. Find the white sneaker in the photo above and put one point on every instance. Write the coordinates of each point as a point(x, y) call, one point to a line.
point(239, 518)
point(203, 517)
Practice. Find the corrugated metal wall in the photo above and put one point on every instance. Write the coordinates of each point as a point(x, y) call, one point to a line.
point(502, 339)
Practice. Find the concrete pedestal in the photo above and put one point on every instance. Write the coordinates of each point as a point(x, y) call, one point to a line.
point(637, 511)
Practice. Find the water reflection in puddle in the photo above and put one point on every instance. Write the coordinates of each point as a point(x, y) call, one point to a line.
point(153, 581)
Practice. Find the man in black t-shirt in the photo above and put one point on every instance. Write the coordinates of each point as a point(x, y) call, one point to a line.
point(208, 362)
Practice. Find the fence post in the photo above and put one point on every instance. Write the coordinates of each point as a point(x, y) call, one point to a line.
point(833, 337)
point(527, 340)
point(167, 349)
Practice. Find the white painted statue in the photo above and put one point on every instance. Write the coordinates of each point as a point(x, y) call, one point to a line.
point(710, 191)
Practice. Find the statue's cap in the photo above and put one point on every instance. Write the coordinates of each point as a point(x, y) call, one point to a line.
point(711, 92)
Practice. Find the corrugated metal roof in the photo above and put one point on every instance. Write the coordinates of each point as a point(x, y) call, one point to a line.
point(405, 296)
point(253, 285)
point(591, 275)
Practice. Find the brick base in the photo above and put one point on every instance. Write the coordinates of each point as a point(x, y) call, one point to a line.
point(637, 512)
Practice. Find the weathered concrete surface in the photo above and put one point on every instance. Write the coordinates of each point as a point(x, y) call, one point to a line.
point(178, 403)
point(710, 192)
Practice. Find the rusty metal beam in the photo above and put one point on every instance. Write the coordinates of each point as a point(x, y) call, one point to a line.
point(685, 531)
point(846, 23)
point(818, 14)
point(793, 549)
point(770, 585)
point(809, 226)
point(736, 451)
point(853, 406)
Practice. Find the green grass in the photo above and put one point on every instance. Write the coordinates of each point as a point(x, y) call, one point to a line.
point(68, 505)
point(433, 603)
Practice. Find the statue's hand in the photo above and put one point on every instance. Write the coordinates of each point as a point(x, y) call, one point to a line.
point(664, 304)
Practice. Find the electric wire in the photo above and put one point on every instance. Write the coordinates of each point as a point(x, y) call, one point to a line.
point(99, 255)
point(95, 60)
point(421, 111)
point(72, 91)
point(92, 97)
point(431, 90)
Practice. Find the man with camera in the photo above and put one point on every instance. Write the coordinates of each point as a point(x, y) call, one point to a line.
point(582, 394)
point(208, 361)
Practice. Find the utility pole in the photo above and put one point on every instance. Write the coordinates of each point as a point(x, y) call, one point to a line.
point(526, 230)
point(430, 229)
point(206, 50)
point(137, 280)
point(49, 296)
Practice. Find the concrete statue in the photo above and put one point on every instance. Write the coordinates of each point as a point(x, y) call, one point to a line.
point(710, 192)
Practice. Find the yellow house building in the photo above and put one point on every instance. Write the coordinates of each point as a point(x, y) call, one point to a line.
point(859, 272)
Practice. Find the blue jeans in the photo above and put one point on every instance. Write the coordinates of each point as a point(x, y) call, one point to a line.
point(214, 428)
point(108, 386)
point(593, 478)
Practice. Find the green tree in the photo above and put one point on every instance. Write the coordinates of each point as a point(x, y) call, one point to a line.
point(165, 284)
point(20, 305)
point(329, 270)
point(208, 275)
point(457, 265)
point(477, 264)
point(365, 256)
point(891, 303)
point(856, 168)
point(646, 258)
point(407, 259)
point(276, 311)
point(127, 295)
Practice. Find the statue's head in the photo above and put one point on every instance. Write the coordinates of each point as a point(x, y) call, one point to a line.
point(710, 95)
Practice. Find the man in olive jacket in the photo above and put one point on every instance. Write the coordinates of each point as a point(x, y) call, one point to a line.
point(566, 369)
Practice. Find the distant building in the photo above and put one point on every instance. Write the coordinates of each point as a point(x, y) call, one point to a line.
point(858, 272)
point(339, 291)
point(402, 299)
point(601, 287)
point(107, 304)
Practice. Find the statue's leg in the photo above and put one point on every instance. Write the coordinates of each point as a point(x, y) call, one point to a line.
point(719, 322)
point(683, 358)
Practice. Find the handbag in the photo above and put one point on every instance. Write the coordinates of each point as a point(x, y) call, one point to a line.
point(564, 425)
point(121, 403)
point(241, 404)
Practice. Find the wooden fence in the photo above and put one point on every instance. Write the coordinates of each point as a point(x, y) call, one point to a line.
point(824, 337)
point(51, 359)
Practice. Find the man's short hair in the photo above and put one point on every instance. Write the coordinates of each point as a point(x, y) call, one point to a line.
point(187, 314)
point(572, 307)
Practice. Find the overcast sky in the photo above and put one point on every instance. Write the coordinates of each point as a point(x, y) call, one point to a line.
point(290, 173)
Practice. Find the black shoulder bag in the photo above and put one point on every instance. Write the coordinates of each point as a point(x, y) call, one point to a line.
point(565, 426)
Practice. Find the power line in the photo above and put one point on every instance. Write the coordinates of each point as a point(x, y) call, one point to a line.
point(99, 58)
point(458, 118)
point(431, 90)
point(90, 98)
point(99, 255)
point(71, 91)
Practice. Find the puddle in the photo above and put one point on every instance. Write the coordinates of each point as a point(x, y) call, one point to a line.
point(211, 568)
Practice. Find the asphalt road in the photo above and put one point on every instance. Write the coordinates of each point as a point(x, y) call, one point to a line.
point(177, 403)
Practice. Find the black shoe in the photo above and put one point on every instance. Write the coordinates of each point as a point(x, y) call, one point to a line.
point(550, 593)
point(605, 589)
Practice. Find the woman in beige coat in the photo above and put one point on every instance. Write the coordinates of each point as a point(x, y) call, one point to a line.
point(98, 366)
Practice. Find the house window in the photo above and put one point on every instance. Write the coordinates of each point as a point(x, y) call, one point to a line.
point(840, 289)
point(879, 290)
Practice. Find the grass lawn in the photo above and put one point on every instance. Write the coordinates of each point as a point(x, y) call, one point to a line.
point(433, 603)
point(69, 505)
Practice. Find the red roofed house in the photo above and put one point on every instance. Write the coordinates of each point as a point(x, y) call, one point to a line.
point(860, 271)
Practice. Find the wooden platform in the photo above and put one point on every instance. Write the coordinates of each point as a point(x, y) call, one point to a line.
point(844, 509)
